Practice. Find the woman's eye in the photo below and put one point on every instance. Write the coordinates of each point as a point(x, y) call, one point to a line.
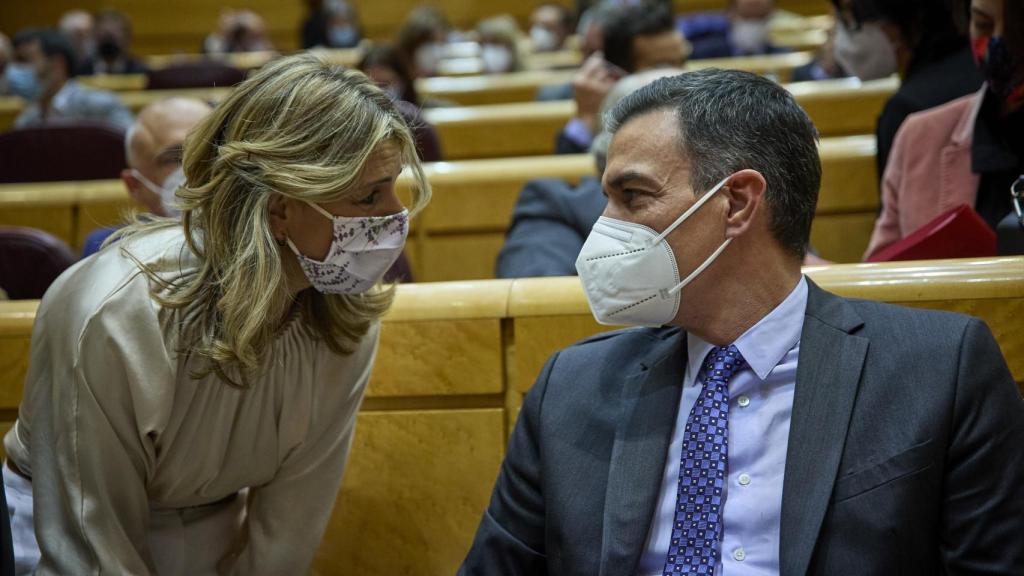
point(370, 199)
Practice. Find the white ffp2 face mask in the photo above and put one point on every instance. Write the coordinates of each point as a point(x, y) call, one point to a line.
point(630, 274)
point(362, 250)
point(866, 53)
point(543, 40)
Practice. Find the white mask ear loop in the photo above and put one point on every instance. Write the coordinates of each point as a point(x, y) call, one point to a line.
point(700, 268)
point(672, 291)
point(147, 182)
point(320, 209)
point(696, 206)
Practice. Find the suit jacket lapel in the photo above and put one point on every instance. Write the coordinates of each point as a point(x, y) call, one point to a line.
point(650, 401)
point(827, 379)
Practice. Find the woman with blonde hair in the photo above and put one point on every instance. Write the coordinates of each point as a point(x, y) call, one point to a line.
point(193, 388)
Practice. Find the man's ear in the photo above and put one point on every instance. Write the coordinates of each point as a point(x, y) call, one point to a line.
point(745, 192)
point(134, 187)
point(277, 210)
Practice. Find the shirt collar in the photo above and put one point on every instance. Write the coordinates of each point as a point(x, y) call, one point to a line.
point(766, 343)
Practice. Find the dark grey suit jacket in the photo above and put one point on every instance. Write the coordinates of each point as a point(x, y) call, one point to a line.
point(904, 453)
point(550, 222)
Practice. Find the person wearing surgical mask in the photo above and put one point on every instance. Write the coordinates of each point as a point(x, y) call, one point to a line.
point(741, 30)
point(113, 47)
point(550, 26)
point(79, 27)
point(19, 74)
point(422, 40)
point(6, 54)
point(969, 151)
point(54, 94)
point(923, 41)
point(744, 420)
point(153, 151)
point(214, 365)
point(342, 25)
point(499, 39)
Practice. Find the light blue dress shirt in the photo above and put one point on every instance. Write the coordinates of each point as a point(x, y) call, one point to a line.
point(760, 406)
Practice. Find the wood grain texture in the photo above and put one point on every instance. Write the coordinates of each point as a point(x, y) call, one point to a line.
point(416, 486)
point(434, 358)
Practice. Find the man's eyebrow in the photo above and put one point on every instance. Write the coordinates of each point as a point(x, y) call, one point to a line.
point(171, 153)
point(619, 181)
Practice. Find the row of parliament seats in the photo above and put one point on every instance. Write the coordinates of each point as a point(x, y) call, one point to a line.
point(475, 90)
point(173, 27)
point(459, 234)
point(454, 364)
point(837, 107)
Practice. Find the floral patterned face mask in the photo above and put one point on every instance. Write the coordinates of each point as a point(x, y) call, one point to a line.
point(362, 250)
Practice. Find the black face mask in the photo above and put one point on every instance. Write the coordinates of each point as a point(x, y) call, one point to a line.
point(108, 48)
point(1004, 74)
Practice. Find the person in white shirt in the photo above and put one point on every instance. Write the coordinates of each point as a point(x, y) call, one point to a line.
point(56, 95)
point(192, 392)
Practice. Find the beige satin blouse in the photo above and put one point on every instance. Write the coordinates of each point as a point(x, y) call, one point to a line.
point(116, 435)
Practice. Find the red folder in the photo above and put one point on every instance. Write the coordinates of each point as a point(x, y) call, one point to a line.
point(957, 233)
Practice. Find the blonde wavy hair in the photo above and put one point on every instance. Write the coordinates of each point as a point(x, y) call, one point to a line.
point(301, 128)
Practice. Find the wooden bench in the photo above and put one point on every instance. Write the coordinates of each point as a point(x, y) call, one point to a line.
point(837, 107)
point(544, 69)
point(460, 233)
point(522, 86)
point(454, 363)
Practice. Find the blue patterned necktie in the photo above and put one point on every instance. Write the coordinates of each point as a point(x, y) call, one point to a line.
point(697, 532)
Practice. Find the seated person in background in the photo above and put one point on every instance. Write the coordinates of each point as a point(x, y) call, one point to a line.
point(552, 219)
point(6, 57)
point(824, 66)
point(343, 29)
point(385, 66)
point(20, 74)
point(635, 39)
point(421, 41)
point(499, 39)
point(750, 422)
point(742, 30)
point(592, 32)
point(968, 151)
point(550, 25)
point(920, 40)
point(238, 31)
point(58, 95)
point(153, 146)
point(113, 46)
point(79, 28)
point(331, 24)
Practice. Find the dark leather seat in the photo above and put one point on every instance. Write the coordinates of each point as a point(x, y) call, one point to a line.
point(30, 260)
point(62, 150)
point(203, 74)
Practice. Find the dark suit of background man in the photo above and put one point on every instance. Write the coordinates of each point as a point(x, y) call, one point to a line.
point(769, 427)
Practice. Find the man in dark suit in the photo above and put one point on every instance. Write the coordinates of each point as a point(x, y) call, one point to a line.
point(768, 426)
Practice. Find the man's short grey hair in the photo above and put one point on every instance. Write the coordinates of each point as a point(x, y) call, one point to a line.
point(624, 87)
point(730, 120)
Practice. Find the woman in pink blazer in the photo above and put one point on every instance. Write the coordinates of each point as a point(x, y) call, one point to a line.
point(963, 151)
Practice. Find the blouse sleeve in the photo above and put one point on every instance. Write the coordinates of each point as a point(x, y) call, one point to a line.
point(286, 517)
point(91, 464)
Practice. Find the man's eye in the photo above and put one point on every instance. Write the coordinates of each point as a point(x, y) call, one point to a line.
point(629, 197)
